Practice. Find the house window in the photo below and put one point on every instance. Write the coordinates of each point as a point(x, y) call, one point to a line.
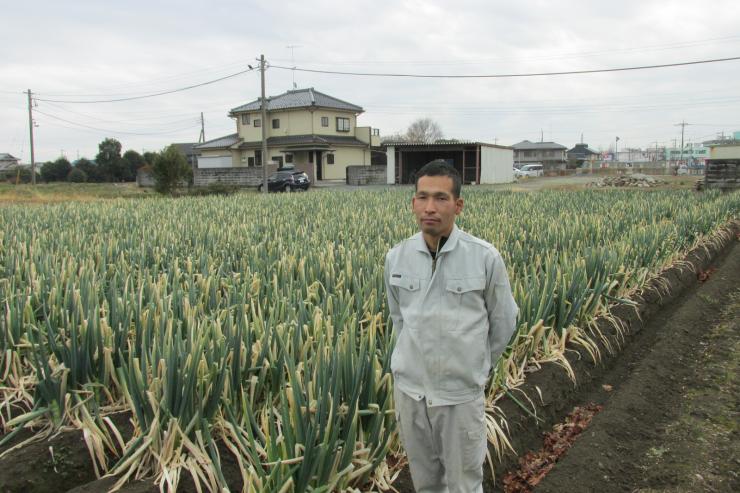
point(257, 157)
point(257, 122)
point(278, 160)
point(342, 124)
point(276, 123)
point(245, 119)
point(330, 159)
point(250, 162)
point(310, 156)
point(289, 158)
point(324, 121)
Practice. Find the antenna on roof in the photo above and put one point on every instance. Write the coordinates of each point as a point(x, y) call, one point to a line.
point(292, 62)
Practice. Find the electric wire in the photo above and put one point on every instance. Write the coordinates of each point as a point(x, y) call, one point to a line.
point(161, 93)
point(506, 76)
point(114, 131)
point(560, 56)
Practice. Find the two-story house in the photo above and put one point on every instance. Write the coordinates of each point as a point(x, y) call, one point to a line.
point(549, 154)
point(305, 128)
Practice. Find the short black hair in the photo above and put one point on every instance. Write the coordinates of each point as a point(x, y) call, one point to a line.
point(440, 167)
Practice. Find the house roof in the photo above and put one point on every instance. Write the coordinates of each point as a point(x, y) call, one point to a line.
point(299, 98)
point(185, 147)
point(303, 140)
point(318, 141)
point(219, 143)
point(442, 143)
point(4, 156)
point(582, 149)
point(526, 145)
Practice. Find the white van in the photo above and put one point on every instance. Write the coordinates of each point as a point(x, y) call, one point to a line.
point(530, 170)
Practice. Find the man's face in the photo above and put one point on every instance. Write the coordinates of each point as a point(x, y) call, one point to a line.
point(434, 205)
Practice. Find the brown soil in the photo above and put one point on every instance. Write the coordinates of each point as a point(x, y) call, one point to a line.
point(671, 423)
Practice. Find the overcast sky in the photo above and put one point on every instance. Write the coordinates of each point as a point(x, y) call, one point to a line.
point(82, 51)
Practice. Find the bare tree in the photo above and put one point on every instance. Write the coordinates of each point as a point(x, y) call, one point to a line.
point(394, 137)
point(424, 130)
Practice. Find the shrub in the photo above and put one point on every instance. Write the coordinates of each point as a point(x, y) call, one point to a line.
point(170, 170)
point(77, 176)
point(16, 173)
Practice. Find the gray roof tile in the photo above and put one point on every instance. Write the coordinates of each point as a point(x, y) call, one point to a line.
point(299, 98)
point(527, 145)
point(219, 143)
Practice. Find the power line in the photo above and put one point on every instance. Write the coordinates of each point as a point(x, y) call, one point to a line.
point(555, 56)
point(162, 93)
point(502, 76)
point(190, 118)
point(114, 131)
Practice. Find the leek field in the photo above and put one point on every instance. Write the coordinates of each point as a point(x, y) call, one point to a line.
point(175, 335)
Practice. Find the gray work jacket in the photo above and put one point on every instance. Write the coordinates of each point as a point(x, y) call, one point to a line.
point(452, 316)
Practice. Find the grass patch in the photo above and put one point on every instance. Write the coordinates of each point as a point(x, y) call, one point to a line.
point(43, 193)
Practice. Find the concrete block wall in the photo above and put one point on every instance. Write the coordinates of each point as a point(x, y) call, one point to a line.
point(366, 175)
point(240, 177)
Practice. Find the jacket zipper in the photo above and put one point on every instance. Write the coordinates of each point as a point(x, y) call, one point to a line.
point(436, 255)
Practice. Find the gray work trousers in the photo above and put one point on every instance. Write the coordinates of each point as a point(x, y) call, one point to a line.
point(445, 445)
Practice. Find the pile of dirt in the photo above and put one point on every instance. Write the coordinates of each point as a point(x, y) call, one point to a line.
point(635, 180)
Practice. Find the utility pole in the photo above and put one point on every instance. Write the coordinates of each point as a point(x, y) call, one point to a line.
point(263, 104)
point(30, 131)
point(683, 126)
point(202, 136)
point(616, 150)
point(656, 151)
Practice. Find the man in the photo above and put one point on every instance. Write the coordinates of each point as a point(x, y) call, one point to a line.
point(453, 315)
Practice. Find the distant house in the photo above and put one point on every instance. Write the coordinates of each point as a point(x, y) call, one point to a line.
point(7, 161)
point(550, 154)
point(723, 165)
point(582, 155)
point(188, 150)
point(305, 128)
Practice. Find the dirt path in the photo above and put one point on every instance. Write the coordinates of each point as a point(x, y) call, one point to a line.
point(670, 422)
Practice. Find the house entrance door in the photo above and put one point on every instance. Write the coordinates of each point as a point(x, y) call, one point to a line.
point(319, 165)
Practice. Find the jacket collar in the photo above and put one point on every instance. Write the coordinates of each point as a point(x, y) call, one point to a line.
point(451, 242)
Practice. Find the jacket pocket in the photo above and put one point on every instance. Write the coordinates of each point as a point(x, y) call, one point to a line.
point(406, 283)
point(464, 300)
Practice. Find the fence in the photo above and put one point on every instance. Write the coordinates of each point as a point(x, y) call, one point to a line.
point(366, 175)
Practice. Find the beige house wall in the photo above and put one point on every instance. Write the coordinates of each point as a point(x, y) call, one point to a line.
point(295, 122)
point(363, 134)
point(343, 157)
point(332, 115)
point(724, 152)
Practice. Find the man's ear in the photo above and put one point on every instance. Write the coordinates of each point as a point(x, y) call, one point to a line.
point(459, 202)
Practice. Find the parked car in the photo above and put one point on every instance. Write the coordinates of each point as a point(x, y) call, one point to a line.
point(530, 170)
point(287, 180)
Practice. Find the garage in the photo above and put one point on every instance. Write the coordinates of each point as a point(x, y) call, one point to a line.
point(477, 162)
